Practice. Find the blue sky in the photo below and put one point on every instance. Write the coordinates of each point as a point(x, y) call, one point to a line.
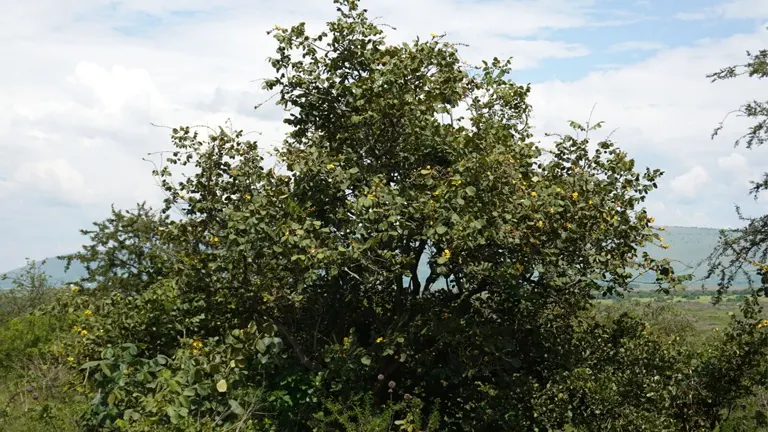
point(651, 25)
point(90, 75)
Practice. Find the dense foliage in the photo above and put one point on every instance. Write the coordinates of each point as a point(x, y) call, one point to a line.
point(289, 300)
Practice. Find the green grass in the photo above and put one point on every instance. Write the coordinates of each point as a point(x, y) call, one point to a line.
point(699, 310)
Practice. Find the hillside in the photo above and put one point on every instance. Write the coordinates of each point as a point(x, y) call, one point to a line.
point(689, 246)
point(54, 267)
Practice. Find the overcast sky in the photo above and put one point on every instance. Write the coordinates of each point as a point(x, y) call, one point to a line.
point(82, 80)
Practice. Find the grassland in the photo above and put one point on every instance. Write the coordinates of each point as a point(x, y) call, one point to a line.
point(697, 306)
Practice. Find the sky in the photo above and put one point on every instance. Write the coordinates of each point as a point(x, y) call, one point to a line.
point(86, 86)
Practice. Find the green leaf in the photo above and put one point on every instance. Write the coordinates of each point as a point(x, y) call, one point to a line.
point(90, 364)
point(173, 414)
point(365, 360)
point(184, 400)
point(441, 229)
point(236, 408)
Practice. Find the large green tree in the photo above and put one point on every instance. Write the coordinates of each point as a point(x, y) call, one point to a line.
point(419, 249)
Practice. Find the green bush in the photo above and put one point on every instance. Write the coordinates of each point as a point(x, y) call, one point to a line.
point(23, 338)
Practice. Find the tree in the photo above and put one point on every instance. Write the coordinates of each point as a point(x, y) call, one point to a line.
point(744, 251)
point(126, 252)
point(409, 253)
point(30, 289)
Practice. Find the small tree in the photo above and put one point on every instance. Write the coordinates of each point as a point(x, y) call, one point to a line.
point(31, 288)
point(744, 251)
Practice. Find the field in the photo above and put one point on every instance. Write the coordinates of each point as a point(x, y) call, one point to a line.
point(697, 306)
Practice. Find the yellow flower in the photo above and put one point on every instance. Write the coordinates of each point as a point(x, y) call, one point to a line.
point(247, 196)
point(590, 202)
point(456, 182)
point(539, 224)
point(197, 344)
point(651, 220)
point(84, 332)
point(567, 225)
point(380, 340)
point(346, 341)
point(76, 329)
point(214, 240)
point(446, 253)
point(87, 312)
point(434, 35)
point(763, 323)
point(234, 172)
point(664, 246)
point(330, 166)
point(575, 195)
point(533, 194)
point(75, 288)
point(70, 359)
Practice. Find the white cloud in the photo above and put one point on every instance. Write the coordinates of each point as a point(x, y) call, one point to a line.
point(56, 176)
point(664, 105)
point(119, 88)
point(733, 9)
point(690, 183)
point(733, 163)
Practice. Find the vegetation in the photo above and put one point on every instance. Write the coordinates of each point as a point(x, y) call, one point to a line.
point(36, 379)
point(259, 299)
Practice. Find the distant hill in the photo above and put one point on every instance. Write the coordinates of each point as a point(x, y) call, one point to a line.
point(54, 267)
point(688, 245)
